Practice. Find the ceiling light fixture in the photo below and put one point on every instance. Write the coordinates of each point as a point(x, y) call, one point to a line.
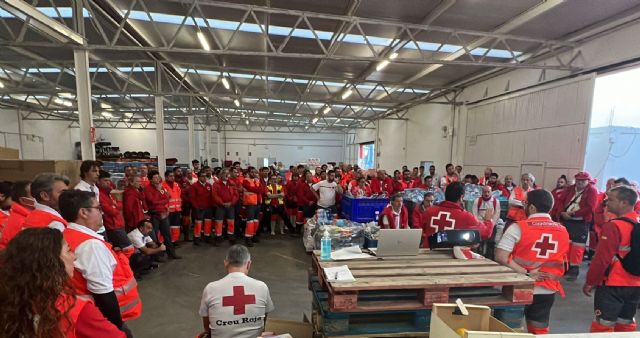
point(347, 93)
point(315, 119)
point(338, 120)
point(236, 102)
point(385, 63)
point(1, 84)
point(104, 105)
point(107, 114)
point(129, 115)
point(326, 110)
point(225, 83)
point(203, 41)
point(246, 122)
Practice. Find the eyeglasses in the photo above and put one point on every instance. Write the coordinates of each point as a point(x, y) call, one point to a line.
point(99, 208)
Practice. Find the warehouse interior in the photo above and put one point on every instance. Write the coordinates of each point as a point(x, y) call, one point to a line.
point(511, 85)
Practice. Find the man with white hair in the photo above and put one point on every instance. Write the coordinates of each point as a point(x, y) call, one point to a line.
point(484, 202)
point(237, 305)
point(518, 197)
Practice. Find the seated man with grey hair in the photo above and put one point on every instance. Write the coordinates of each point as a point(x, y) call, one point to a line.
point(235, 306)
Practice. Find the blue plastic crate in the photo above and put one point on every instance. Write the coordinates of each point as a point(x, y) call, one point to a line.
point(362, 209)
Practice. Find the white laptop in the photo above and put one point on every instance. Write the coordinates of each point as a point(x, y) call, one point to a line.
point(398, 242)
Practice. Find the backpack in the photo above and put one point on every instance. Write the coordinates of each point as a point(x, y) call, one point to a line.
point(631, 262)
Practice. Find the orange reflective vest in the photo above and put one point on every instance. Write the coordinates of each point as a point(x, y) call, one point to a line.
point(124, 283)
point(41, 219)
point(274, 190)
point(517, 213)
point(64, 303)
point(543, 244)
point(618, 276)
point(175, 196)
point(248, 197)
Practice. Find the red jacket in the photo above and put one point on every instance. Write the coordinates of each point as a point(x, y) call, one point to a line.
point(224, 193)
point(379, 186)
point(16, 218)
point(304, 194)
point(398, 186)
point(450, 215)
point(200, 195)
point(112, 218)
point(388, 214)
point(157, 200)
point(418, 217)
point(290, 192)
point(588, 202)
point(135, 207)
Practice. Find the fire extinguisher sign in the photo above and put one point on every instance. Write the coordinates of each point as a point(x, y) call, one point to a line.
point(92, 134)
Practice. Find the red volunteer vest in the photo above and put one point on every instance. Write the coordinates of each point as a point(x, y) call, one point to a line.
point(124, 283)
point(41, 219)
point(175, 196)
point(543, 244)
point(64, 303)
point(480, 200)
point(515, 213)
point(618, 276)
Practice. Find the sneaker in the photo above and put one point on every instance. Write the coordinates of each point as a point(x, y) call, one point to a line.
point(572, 274)
point(273, 233)
point(282, 232)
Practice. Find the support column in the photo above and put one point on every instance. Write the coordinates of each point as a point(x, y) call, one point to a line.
point(83, 97)
point(207, 144)
point(219, 155)
point(20, 132)
point(159, 105)
point(191, 135)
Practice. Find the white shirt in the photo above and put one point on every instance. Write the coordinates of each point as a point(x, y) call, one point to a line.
point(483, 209)
point(509, 240)
point(252, 302)
point(327, 193)
point(54, 224)
point(84, 186)
point(138, 239)
point(94, 261)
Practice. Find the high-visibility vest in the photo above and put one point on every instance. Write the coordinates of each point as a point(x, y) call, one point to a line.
point(480, 200)
point(618, 276)
point(248, 197)
point(41, 219)
point(277, 190)
point(124, 283)
point(516, 213)
point(543, 244)
point(175, 196)
point(66, 303)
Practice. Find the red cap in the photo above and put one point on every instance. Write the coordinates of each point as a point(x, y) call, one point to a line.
point(583, 175)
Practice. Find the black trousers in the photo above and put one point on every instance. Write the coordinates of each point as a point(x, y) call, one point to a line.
point(538, 312)
point(162, 226)
point(616, 302)
point(278, 210)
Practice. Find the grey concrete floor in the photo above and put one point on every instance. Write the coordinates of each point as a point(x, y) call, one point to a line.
point(171, 294)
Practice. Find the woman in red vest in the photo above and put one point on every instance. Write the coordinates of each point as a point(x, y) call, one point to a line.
point(135, 205)
point(39, 284)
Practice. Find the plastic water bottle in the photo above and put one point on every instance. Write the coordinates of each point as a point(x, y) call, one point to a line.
point(325, 247)
point(377, 216)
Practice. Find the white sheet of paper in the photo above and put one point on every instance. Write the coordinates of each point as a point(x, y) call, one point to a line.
point(352, 252)
point(339, 274)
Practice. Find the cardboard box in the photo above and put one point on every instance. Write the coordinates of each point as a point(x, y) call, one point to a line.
point(9, 153)
point(295, 329)
point(13, 170)
point(478, 324)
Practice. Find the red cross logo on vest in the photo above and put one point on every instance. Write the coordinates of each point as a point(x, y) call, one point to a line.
point(443, 222)
point(545, 246)
point(239, 300)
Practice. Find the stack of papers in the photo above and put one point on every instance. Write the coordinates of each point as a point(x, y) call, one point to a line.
point(339, 274)
point(352, 252)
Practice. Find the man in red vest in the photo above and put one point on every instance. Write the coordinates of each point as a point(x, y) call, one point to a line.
point(395, 215)
point(46, 188)
point(575, 211)
point(175, 204)
point(252, 200)
point(202, 202)
point(617, 292)
point(518, 197)
point(538, 247)
point(450, 177)
point(382, 184)
point(225, 196)
point(450, 215)
point(100, 274)
point(22, 205)
point(112, 218)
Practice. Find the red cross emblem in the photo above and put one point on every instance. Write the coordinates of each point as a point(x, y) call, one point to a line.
point(239, 300)
point(545, 246)
point(443, 222)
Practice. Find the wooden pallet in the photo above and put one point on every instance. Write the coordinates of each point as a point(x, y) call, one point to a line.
point(432, 275)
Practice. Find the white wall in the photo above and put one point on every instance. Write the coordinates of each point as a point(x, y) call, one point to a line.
point(543, 130)
point(57, 138)
point(288, 148)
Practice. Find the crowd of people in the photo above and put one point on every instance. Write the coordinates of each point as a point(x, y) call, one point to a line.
point(96, 243)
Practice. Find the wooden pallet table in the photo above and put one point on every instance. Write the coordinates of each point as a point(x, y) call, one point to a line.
point(429, 277)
